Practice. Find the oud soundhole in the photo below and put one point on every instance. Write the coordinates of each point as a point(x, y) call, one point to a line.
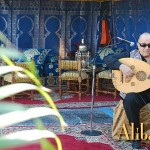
point(132, 83)
point(132, 67)
point(141, 75)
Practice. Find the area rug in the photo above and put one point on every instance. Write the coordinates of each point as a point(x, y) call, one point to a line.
point(72, 100)
point(78, 120)
point(104, 141)
point(73, 117)
point(76, 114)
point(68, 100)
point(68, 143)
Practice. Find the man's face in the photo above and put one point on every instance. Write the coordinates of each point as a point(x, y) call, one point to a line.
point(144, 46)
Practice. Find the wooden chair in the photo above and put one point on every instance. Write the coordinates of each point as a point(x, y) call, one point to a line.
point(20, 77)
point(75, 77)
point(104, 83)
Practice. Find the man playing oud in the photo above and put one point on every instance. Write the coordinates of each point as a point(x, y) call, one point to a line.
point(133, 102)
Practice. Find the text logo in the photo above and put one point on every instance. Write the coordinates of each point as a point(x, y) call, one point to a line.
point(136, 134)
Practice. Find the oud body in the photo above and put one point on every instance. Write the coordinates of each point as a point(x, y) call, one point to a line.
point(138, 83)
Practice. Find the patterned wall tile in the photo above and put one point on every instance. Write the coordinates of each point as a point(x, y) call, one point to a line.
point(5, 18)
point(25, 23)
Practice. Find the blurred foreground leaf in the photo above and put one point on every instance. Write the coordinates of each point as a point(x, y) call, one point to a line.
point(14, 113)
point(25, 114)
point(6, 107)
point(10, 52)
point(26, 137)
point(8, 69)
point(11, 89)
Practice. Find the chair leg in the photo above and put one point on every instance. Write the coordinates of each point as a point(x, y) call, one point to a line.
point(3, 82)
point(12, 98)
point(68, 85)
point(88, 85)
point(60, 88)
point(97, 85)
point(79, 91)
point(115, 94)
point(32, 95)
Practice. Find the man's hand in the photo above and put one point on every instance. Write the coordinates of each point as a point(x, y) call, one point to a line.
point(127, 71)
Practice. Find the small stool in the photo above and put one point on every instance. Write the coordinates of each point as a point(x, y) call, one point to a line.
point(104, 83)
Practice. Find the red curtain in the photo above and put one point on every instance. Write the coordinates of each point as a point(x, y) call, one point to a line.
point(105, 38)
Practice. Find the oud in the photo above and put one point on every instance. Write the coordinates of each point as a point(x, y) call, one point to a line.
point(138, 83)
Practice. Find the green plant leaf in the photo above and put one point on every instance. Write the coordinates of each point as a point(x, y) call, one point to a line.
point(19, 112)
point(21, 115)
point(26, 137)
point(7, 69)
point(10, 52)
point(12, 89)
point(6, 107)
point(52, 104)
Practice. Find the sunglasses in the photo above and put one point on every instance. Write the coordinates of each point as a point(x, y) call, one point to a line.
point(144, 45)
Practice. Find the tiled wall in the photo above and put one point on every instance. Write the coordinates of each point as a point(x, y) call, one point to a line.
point(60, 26)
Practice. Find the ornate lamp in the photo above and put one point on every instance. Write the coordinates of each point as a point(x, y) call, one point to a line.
point(84, 54)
